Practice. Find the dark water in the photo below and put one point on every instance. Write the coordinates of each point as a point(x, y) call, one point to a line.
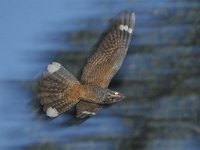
point(160, 75)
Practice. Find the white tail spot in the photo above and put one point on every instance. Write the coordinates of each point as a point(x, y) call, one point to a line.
point(51, 112)
point(51, 68)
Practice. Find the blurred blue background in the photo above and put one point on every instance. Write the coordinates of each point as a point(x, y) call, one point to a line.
point(160, 75)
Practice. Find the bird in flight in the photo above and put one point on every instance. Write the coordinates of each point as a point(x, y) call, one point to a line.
point(59, 89)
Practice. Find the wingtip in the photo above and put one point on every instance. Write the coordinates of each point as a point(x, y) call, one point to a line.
point(127, 21)
point(133, 16)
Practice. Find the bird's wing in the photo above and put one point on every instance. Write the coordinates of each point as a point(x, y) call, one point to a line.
point(106, 61)
point(86, 109)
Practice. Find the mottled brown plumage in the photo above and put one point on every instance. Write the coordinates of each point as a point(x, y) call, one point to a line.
point(59, 89)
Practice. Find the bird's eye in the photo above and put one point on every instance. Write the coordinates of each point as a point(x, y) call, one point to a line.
point(116, 93)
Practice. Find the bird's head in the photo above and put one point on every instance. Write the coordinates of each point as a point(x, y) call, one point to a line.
point(113, 97)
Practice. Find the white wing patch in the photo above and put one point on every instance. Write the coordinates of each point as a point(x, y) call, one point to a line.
point(126, 28)
point(130, 30)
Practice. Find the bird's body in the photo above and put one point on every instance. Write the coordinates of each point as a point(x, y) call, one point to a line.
point(59, 90)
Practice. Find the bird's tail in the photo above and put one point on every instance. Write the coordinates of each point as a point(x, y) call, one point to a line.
point(52, 89)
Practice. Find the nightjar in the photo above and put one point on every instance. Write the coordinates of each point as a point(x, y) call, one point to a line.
point(59, 90)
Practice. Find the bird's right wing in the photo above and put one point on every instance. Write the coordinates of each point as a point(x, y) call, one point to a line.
point(107, 60)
